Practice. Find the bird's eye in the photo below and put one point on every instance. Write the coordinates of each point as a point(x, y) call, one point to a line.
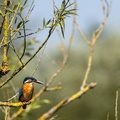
point(34, 80)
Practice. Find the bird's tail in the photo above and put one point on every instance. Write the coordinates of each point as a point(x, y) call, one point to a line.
point(24, 106)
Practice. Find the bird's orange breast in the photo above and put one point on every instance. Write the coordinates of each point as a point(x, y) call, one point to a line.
point(27, 91)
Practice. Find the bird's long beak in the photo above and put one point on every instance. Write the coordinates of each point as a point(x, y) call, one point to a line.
point(39, 82)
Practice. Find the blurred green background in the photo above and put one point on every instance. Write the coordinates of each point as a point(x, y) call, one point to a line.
point(97, 103)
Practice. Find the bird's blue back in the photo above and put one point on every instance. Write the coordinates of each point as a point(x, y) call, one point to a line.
point(20, 92)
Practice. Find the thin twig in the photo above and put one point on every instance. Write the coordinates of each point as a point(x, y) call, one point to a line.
point(15, 51)
point(14, 15)
point(51, 59)
point(27, 16)
point(38, 63)
point(81, 34)
point(12, 97)
point(24, 31)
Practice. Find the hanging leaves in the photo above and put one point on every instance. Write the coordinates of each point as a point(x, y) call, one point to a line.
point(62, 13)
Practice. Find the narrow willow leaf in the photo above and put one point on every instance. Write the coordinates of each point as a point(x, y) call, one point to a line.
point(19, 33)
point(26, 21)
point(48, 21)
point(56, 9)
point(25, 2)
point(28, 54)
point(62, 26)
point(15, 7)
point(72, 9)
point(73, 13)
point(8, 13)
point(44, 22)
point(19, 24)
point(22, 8)
point(69, 13)
point(66, 3)
point(69, 5)
point(16, 20)
point(63, 4)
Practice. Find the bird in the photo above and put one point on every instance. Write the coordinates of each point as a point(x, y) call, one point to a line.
point(27, 89)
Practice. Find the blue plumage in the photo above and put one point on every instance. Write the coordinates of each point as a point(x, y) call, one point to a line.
point(26, 78)
point(20, 92)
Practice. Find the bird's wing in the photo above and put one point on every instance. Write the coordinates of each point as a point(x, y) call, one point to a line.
point(20, 93)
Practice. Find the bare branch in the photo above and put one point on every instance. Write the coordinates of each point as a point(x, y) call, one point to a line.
point(66, 101)
point(95, 37)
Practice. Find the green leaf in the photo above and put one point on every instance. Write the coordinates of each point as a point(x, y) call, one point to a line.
point(70, 5)
point(28, 54)
point(15, 7)
point(69, 13)
point(55, 9)
point(62, 26)
point(63, 4)
point(19, 32)
point(15, 20)
point(48, 21)
point(22, 8)
point(72, 9)
point(25, 2)
point(26, 21)
point(8, 13)
point(72, 13)
point(66, 3)
point(19, 24)
point(44, 22)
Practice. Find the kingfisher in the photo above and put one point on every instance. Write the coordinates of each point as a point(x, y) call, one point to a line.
point(27, 89)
